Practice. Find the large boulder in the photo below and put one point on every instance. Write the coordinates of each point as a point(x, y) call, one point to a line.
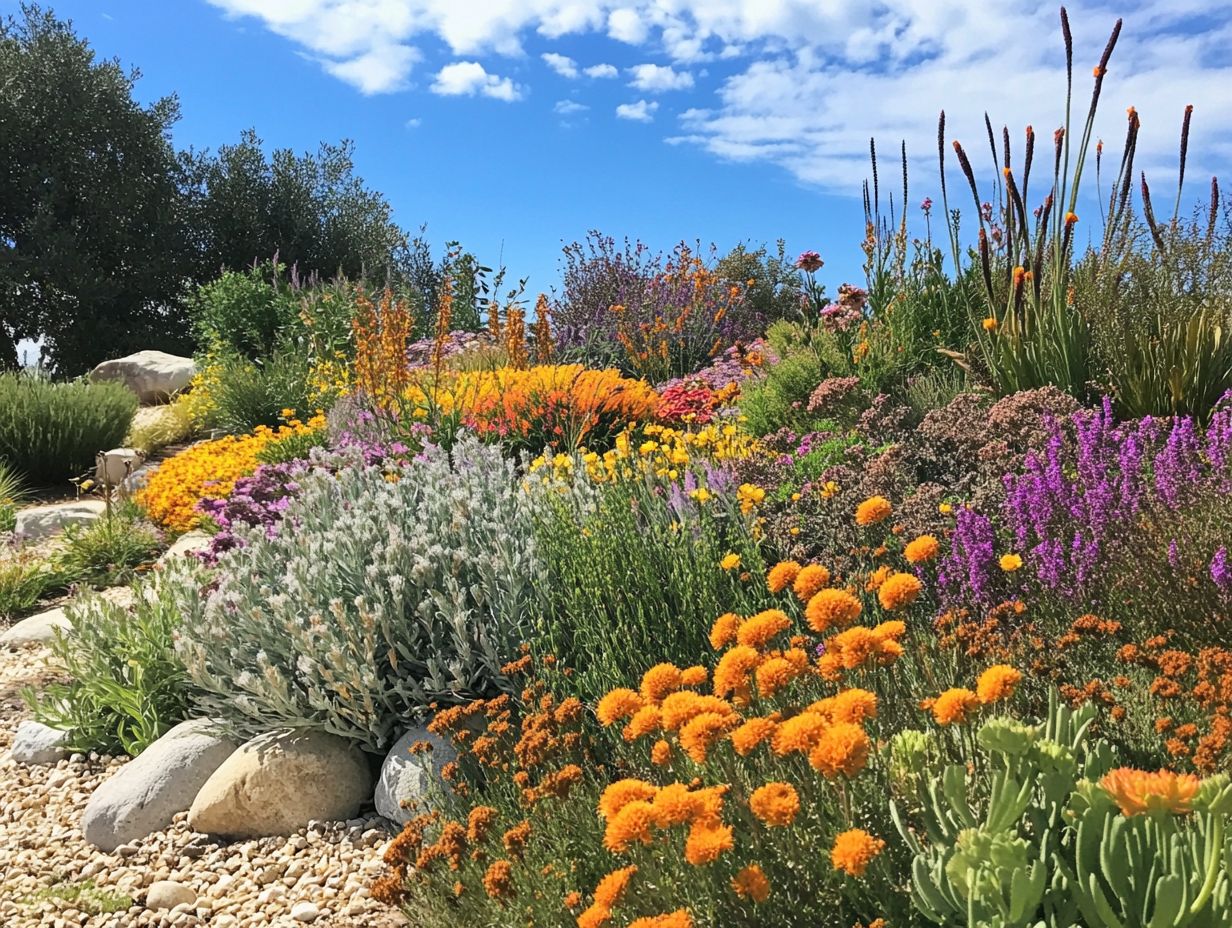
point(162, 781)
point(278, 782)
point(36, 743)
point(186, 544)
point(38, 522)
point(153, 375)
point(37, 629)
point(407, 775)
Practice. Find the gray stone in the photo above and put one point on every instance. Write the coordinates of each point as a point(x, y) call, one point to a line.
point(38, 522)
point(407, 776)
point(116, 466)
point(36, 743)
point(37, 629)
point(167, 894)
point(153, 375)
point(145, 795)
point(278, 782)
point(185, 544)
point(305, 912)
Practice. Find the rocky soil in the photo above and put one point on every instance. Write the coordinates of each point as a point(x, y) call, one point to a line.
point(51, 878)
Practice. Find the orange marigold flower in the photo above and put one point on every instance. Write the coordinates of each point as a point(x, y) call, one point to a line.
point(878, 576)
point(723, 632)
point(678, 708)
point(632, 823)
point(675, 805)
point(899, 591)
point(678, 919)
point(753, 732)
point(701, 731)
point(1141, 791)
point(498, 880)
point(955, 706)
point(852, 705)
point(732, 673)
point(997, 683)
point(810, 581)
point(660, 681)
point(831, 608)
point(854, 850)
point(843, 748)
point(661, 753)
point(596, 916)
point(776, 804)
point(618, 705)
point(751, 883)
point(645, 721)
point(619, 794)
point(873, 510)
point(774, 674)
point(573, 899)
point(694, 676)
point(516, 837)
point(757, 631)
point(706, 842)
point(855, 647)
point(478, 823)
point(922, 550)
point(799, 734)
point(612, 887)
point(782, 575)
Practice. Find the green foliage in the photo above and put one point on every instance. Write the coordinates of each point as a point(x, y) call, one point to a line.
point(84, 896)
point(92, 242)
point(105, 551)
point(24, 580)
point(127, 685)
point(165, 425)
point(635, 575)
point(50, 432)
point(245, 313)
point(395, 589)
point(775, 289)
point(294, 447)
point(252, 393)
point(780, 399)
point(12, 492)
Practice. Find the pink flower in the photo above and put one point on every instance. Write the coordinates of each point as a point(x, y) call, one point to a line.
point(809, 261)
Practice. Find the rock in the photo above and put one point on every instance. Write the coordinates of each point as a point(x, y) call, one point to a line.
point(305, 912)
point(167, 894)
point(114, 467)
point(186, 544)
point(36, 743)
point(37, 629)
point(38, 522)
point(145, 795)
point(153, 375)
point(278, 782)
point(407, 776)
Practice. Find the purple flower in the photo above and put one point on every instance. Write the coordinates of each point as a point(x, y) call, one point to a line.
point(1220, 573)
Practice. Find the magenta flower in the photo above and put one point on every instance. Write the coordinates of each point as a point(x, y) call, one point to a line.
point(926, 204)
point(809, 261)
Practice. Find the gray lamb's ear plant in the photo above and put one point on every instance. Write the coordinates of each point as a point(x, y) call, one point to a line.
point(383, 592)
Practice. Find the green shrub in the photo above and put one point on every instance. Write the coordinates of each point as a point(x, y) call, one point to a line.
point(395, 589)
point(12, 491)
point(635, 575)
point(127, 685)
point(294, 447)
point(781, 398)
point(105, 551)
point(50, 432)
point(24, 580)
point(161, 426)
point(246, 313)
point(252, 393)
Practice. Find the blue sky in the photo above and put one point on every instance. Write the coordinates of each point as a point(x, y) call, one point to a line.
point(514, 125)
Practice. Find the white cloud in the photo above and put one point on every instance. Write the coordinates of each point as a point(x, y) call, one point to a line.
point(413, 123)
point(569, 107)
point(803, 84)
point(468, 78)
point(655, 78)
point(641, 111)
point(561, 64)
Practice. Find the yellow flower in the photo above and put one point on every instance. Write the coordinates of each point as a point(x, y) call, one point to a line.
point(989, 324)
point(730, 561)
point(854, 850)
point(873, 510)
point(1010, 562)
point(701, 494)
point(997, 683)
point(829, 489)
point(1140, 791)
point(945, 509)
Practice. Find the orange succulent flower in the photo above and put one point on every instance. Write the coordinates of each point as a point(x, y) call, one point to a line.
point(1139, 792)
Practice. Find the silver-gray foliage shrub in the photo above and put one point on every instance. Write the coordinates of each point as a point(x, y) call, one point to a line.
point(385, 589)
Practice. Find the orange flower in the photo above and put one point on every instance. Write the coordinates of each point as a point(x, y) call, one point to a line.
point(706, 842)
point(773, 675)
point(997, 683)
point(619, 794)
point(478, 823)
point(661, 753)
point(831, 608)
point(899, 591)
point(751, 883)
point(873, 510)
point(659, 681)
point(612, 887)
point(498, 880)
point(799, 734)
point(694, 676)
point(723, 632)
point(922, 550)
point(757, 631)
point(776, 804)
point(678, 919)
point(703, 730)
point(678, 708)
point(854, 850)
point(631, 823)
point(1141, 791)
point(955, 706)
point(645, 721)
point(732, 673)
point(753, 732)
point(843, 748)
point(810, 581)
point(618, 705)
point(852, 705)
point(782, 575)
